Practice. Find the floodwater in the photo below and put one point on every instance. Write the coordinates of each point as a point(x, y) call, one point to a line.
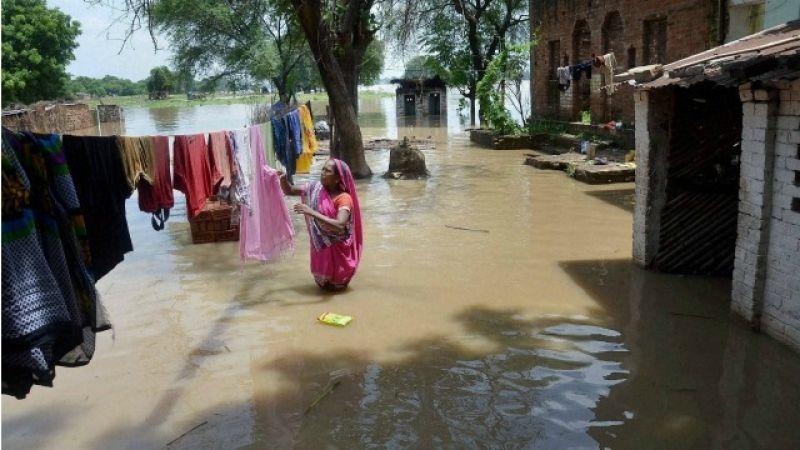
point(535, 330)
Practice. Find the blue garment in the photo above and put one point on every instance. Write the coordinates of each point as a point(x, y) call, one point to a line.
point(578, 69)
point(280, 142)
point(295, 132)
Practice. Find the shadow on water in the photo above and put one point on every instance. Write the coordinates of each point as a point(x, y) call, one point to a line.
point(696, 378)
point(621, 198)
point(531, 384)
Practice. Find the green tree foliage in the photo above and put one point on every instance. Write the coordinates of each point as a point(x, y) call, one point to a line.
point(421, 66)
point(507, 67)
point(258, 38)
point(109, 85)
point(38, 42)
point(372, 65)
point(462, 36)
point(160, 82)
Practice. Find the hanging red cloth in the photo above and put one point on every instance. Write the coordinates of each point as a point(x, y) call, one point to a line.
point(192, 171)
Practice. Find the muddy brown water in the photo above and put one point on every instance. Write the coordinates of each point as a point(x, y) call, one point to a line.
point(537, 332)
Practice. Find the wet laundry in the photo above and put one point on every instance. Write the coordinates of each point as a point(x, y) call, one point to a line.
point(283, 150)
point(269, 152)
point(609, 63)
point(221, 162)
point(156, 197)
point(51, 309)
point(577, 70)
point(265, 230)
point(102, 186)
point(137, 158)
point(192, 171)
point(309, 140)
point(564, 78)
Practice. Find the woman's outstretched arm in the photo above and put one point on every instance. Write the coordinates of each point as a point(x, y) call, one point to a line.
point(288, 189)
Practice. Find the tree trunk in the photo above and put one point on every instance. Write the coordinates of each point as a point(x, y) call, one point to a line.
point(472, 110)
point(348, 144)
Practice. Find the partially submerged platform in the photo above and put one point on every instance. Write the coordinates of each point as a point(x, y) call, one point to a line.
point(577, 166)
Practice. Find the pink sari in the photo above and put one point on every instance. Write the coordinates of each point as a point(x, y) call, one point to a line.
point(334, 257)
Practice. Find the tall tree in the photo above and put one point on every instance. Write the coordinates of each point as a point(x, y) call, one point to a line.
point(256, 37)
point(38, 42)
point(464, 36)
point(160, 82)
point(337, 32)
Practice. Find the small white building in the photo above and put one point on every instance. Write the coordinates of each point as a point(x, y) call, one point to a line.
point(718, 174)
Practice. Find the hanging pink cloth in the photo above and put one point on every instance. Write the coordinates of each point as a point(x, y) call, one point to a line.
point(334, 257)
point(265, 228)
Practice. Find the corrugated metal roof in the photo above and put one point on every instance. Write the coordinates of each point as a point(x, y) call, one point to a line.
point(770, 54)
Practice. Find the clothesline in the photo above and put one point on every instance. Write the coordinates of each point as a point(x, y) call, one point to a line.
point(65, 226)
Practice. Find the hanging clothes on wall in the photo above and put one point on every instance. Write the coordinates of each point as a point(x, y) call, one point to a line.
point(578, 69)
point(51, 309)
point(102, 187)
point(137, 158)
point(564, 78)
point(309, 140)
point(265, 230)
point(221, 163)
point(192, 171)
point(156, 197)
point(609, 63)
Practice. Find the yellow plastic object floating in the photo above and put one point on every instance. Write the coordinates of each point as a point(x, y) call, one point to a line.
point(338, 320)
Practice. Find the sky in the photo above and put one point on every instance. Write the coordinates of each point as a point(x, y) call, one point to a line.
point(98, 53)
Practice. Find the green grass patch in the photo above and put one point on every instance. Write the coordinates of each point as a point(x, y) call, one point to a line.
point(180, 100)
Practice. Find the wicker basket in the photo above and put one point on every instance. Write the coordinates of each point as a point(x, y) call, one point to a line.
point(213, 224)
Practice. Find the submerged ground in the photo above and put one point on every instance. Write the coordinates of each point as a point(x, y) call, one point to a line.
point(537, 332)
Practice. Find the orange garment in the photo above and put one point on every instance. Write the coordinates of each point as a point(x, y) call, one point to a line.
point(343, 200)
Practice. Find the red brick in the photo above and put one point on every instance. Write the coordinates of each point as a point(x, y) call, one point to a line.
point(689, 31)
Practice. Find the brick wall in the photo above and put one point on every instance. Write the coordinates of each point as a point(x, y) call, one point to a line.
point(690, 29)
point(766, 280)
point(781, 315)
point(59, 118)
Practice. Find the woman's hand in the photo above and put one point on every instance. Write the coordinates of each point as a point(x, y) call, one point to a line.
point(301, 208)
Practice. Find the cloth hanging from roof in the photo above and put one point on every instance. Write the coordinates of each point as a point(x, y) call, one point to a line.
point(95, 163)
point(192, 171)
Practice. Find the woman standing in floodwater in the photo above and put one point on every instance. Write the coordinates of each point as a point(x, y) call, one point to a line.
point(333, 216)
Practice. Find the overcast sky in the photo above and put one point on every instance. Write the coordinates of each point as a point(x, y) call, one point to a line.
point(98, 53)
point(99, 44)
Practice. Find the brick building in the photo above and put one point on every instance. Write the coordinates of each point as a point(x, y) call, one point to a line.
point(638, 32)
point(718, 174)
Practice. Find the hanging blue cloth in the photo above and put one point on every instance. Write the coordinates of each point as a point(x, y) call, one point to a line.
point(280, 142)
point(295, 132)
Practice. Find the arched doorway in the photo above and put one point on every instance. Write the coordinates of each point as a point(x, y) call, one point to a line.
point(581, 51)
point(613, 35)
